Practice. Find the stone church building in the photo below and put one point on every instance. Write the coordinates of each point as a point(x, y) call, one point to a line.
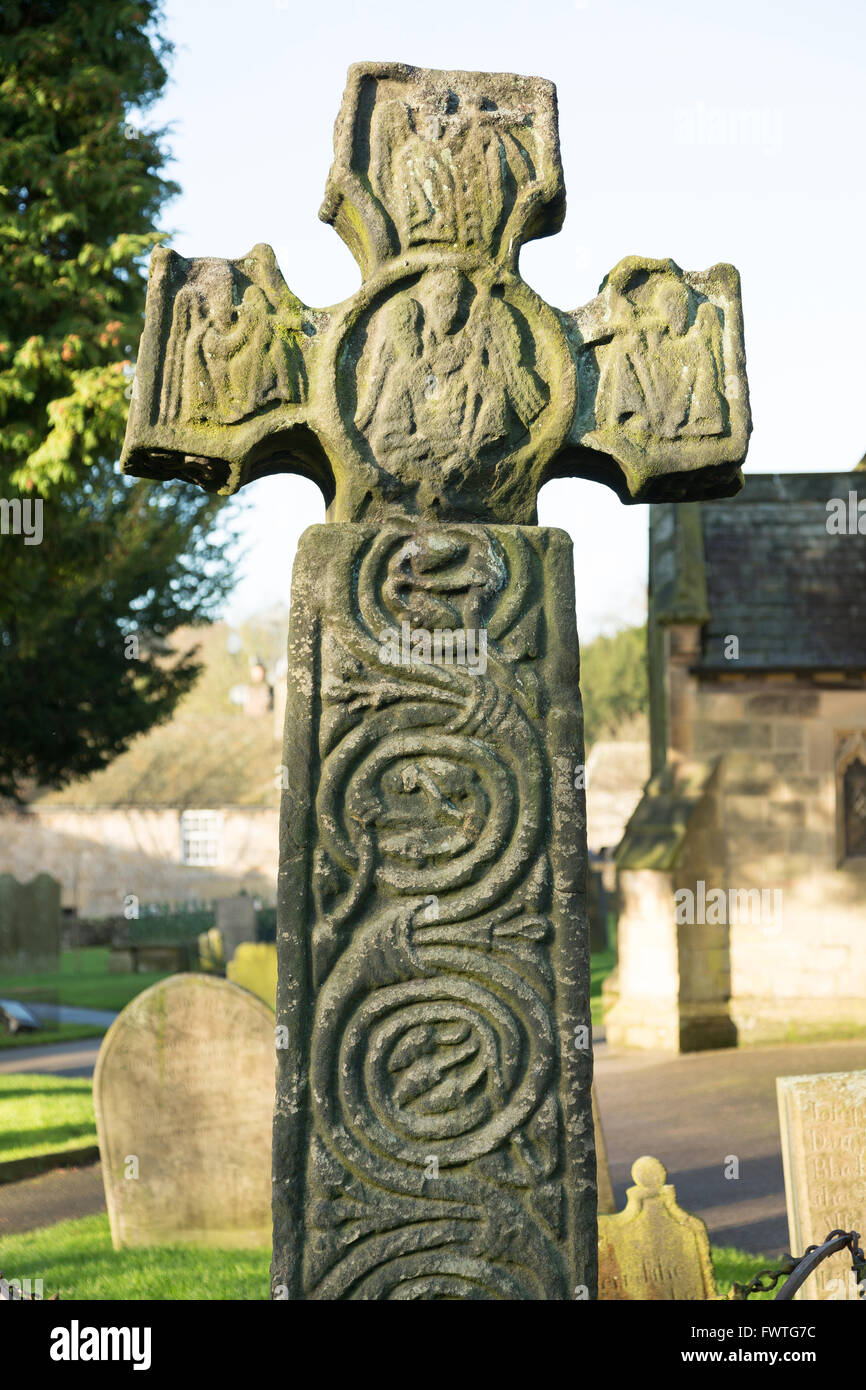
point(742, 872)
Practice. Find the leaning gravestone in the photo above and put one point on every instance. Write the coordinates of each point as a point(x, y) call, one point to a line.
point(653, 1251)
point(235, 922)
point(822, 1119)
point(432, 935)
point(606, 1202)
point(29, 925)
point(184, 1096)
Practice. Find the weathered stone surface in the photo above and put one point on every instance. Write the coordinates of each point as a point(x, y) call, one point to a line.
point(822, 1120)
point(29, 925)
point(433, 1134)
point(606, 1201)
point(653, 1250)
point(184, 1086)
point(235, 922)
point(254, 967)
point(445, 388)
point(663, 380)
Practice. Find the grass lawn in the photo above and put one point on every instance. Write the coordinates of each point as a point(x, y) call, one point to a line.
point(41, 1114)
point(82, 982)
point(76, 1259)
point(736, 1266)
point(601, 965)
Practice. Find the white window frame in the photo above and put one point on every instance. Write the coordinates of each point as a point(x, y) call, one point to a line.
point(201, 834)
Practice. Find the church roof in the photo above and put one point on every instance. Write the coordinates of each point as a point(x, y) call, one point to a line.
point(764, 567)
point(657, 831)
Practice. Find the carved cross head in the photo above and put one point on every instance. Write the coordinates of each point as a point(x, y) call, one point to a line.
point(445, 389)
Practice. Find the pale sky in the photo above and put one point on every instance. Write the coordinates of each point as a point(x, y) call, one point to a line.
point(699, 130)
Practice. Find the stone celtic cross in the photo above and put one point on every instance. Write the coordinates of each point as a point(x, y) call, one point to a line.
point(433, 1133)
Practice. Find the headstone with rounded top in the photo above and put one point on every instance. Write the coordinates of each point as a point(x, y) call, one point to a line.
point(184, 1098)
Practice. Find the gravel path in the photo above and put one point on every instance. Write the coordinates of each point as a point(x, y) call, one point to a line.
point(60, 1195)
point(694, 1111)
point(55, 1059)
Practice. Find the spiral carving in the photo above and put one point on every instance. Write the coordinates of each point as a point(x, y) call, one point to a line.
point(434, 1040)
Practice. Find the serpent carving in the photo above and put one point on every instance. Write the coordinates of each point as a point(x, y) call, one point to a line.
point(434, 1040)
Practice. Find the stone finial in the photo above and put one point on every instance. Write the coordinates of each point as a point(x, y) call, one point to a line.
point(652, 1250)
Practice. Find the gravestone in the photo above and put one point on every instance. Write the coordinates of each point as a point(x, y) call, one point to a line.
point(121, 961)
point(254, 967)
point(606, 1202)
point(652, 1250)
point(235, 922)
point(433, 1130)
point(184, 1096)
point(29, 925)
point(822, 1119)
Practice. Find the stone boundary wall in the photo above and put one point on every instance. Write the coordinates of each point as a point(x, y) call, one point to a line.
point(101, 856)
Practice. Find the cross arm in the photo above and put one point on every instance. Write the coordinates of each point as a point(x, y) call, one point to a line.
point(221, 394)
point(237, 379)
point(445, 388)
point(662, 411)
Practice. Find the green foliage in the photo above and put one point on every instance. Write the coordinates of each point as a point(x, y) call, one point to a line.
point(613, 682)
point(170, 928)
point(78, 199)
point(80, 189)
point(739, 1266)
point(266, 924)
point(601, 965)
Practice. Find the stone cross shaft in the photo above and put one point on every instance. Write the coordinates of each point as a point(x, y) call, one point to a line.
point(433, 1130)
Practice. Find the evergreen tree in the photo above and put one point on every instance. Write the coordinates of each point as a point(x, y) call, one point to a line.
point(86, 606)
point(613, 682)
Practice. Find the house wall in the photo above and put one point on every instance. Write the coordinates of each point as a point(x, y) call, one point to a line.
point(797, 967)
point(102, 855)
point(805, 974)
